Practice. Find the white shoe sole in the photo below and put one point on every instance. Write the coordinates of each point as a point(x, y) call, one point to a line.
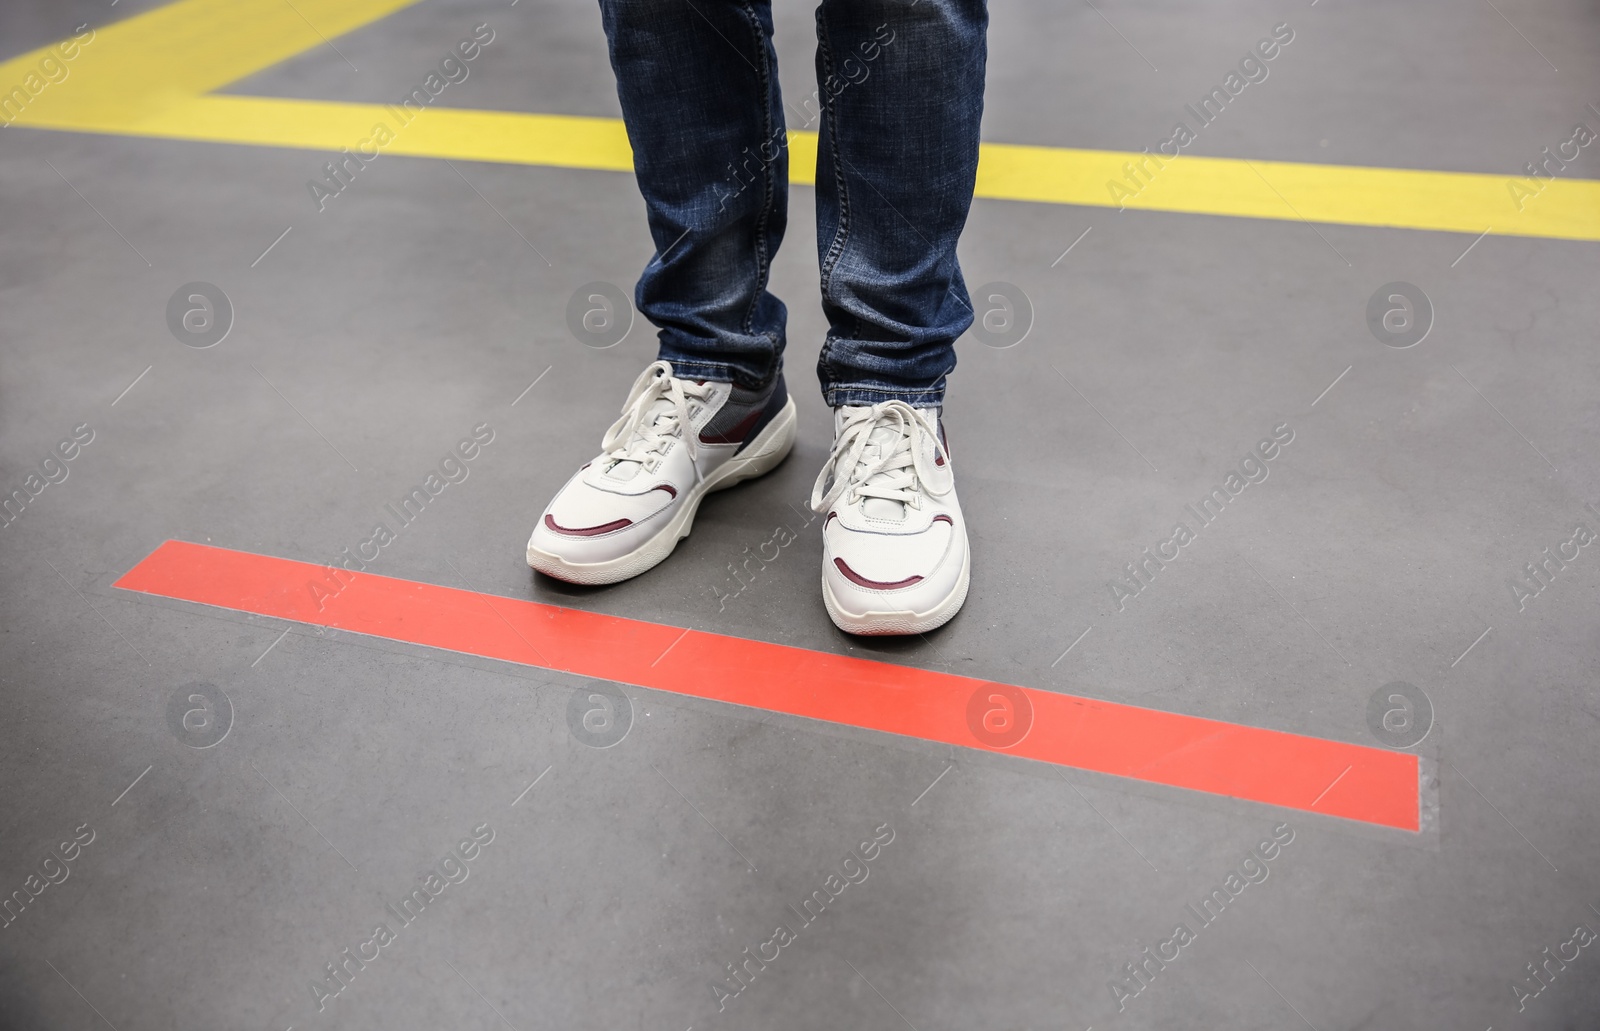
point(901, 622)
point(763, 454)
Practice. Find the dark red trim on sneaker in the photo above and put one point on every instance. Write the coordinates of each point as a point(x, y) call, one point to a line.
point(669, 488)
point(751, 430)
point(587, 531)
point(943, 519)
point(876, 585)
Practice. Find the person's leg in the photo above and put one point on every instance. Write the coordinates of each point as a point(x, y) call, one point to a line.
point(698, 82)
point(900, 85)
point(699, 90)
point(901, 91)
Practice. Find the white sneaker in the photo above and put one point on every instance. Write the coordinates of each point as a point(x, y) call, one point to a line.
point(894, 545)
point(677, 441)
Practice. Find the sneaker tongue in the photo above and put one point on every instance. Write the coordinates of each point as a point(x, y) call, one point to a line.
point(626, 469)
point(881, 441)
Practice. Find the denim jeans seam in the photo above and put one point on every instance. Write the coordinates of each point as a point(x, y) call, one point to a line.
point(841, 235)
point(764, 75)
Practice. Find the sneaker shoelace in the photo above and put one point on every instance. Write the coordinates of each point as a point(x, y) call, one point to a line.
point(656, 413)
point(878, 454)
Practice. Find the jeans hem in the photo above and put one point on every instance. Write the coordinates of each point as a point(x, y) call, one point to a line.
point(867, 394)
point(718, 372)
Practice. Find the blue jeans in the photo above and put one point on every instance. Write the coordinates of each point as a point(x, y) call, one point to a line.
point(899, 100)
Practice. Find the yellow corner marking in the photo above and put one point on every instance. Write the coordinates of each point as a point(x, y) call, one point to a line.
point(131, 68)
point(150, 76)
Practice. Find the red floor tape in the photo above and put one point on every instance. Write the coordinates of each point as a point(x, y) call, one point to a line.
point(1332, 778)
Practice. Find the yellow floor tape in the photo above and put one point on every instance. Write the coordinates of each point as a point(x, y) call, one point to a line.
point(153, 75)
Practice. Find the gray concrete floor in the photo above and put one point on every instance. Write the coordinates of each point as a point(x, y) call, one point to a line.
point(222, 883)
